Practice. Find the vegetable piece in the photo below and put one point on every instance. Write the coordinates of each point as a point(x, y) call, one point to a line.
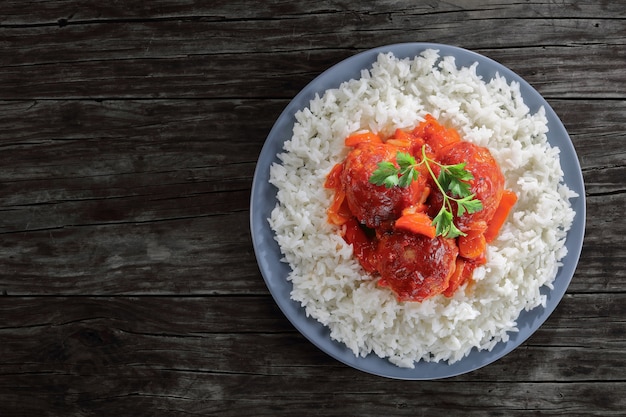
point(461, 274)
point(435, 135)
point(418, 223)
point(362, 247)
point(402, 135)
point(386, 174)
point(408, 173)
point(472, 245)
point(389, 175)
point(508, 200)
point(451, 182)
point(362, 137)
point(406, 140)
point(333, 179)
point(338, 212)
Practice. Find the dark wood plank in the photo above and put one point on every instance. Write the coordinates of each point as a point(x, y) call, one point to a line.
point(157, 59)
point(190, 349)
point(65, 12)
point(129, 197)
point(235, 395)
point(129, 133)
point(38, 333)
point(135, 201)
point(200, 254)
point(280, 74)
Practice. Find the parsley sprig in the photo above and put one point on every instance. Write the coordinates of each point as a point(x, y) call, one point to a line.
point(452, 182)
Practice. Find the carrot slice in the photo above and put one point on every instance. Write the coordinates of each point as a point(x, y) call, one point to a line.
point(398, 143)
point(436, 135)
point(456, 278)
point(333, 179)
point(401, 139)
point(402, 135)
point(472, 245)
point(362, 137)
point(508, 200)
point(462, 274)
point(418, 223)
point(338, 212)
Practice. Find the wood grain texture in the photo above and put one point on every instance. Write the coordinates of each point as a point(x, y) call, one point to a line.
point(135, 349)
point(165, 54)
point(129, 133)
point(157, 191)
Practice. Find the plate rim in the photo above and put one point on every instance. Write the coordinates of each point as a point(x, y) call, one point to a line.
point(312, 331)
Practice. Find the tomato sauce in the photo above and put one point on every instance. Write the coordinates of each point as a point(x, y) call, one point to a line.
point(389, 227)
point(371, 204)
point(488, 183)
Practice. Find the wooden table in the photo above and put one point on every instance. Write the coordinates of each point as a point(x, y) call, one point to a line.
point(129, 133)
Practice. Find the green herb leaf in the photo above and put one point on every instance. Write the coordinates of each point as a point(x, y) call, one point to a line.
point(407, 164)
point(442, 222)
point(458, 171)
point(386, 174)
point(458, 188)
point(408, 175)
point(444, 225)
point(405, 160)
point(468, 204)
point(391, 181)
point(453, 177)
point(451, 181)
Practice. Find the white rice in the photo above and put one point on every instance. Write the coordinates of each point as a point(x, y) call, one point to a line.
point(331, 285)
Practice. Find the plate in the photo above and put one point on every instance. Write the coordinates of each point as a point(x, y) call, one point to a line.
point(275, 272)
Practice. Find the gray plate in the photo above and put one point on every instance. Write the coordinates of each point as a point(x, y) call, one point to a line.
point(263, 200)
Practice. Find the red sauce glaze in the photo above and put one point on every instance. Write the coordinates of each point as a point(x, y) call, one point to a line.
point(364, 247)
point(372, 204)
point(414, 266)
point(488, 184)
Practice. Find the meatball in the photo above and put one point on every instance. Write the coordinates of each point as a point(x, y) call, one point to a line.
point(414, 266)
point(371, 204)
point(487, 185)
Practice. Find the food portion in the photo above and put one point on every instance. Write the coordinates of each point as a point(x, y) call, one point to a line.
point(416, 267)
point(368, 230)
point(416, 207)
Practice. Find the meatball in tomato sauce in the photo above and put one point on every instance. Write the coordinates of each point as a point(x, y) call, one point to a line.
point(373, 204)
point(487, 185)
point(414, 266)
